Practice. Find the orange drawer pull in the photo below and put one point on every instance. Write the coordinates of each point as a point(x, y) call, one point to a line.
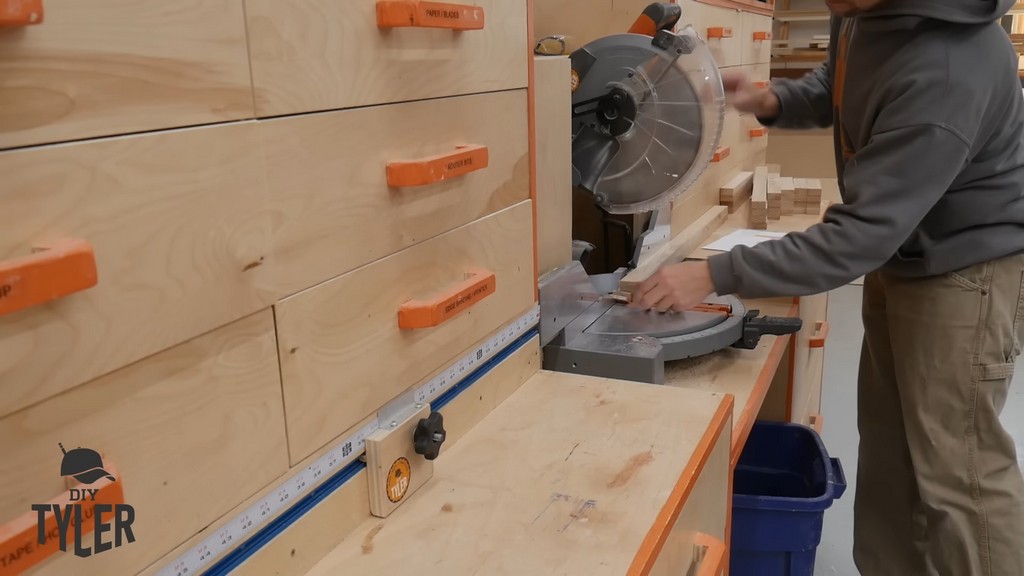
point(720, 32)
point(713, 557)
point(53, 271)
point(19, 538)
point(762, 83)
point(434, 169)
point(758, 132)
point(721, 154)
point(417, 14)
point(761, 36)
point(479, 284)
point(820, 335)
point(17, 13)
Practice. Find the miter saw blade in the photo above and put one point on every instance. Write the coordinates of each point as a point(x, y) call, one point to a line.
point(647, 117)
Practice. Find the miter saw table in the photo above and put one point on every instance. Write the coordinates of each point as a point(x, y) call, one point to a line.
point(647, 110)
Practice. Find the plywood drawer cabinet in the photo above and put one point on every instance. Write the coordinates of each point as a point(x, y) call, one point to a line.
point(104, 67)
point(181, 235)
point(190, 432)
point(329, 179)
point(343, 352)
point(809, 358)
point(570, 475)
point(721, 29)
point(326, 54)
point(757, 39)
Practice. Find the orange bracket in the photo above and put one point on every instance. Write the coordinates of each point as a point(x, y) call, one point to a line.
point(762, 83)
point(53, 271)
point(434, 169)
point(758, 132)
point(720, 32)
point(18, 13)
point(479, 284)
point(19, 538)
point(762, 36)
point(721, 154)
point(820, 335)
point(417, 14)
point(714, 555)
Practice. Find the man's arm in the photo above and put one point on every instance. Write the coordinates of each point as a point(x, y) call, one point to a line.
point(888, 194)
point(805, 102)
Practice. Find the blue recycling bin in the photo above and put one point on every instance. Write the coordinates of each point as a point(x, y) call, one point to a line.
point(783, 483)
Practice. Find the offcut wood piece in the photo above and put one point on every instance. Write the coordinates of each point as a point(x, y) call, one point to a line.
point(813, 187)
point(553, 113)
point(759, 199)
point(774, 169)
point(676, 249)
point(394, 470)
point(774, 198)
point(737, 191)
point(788, 196)
point(558, 479)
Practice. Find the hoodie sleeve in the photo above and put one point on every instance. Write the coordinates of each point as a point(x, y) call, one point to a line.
point(888, 194)
point(805, 102)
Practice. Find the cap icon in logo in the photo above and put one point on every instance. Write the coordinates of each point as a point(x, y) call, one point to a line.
point(83, 464)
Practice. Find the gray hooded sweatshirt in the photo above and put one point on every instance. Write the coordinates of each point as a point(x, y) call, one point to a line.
point(929, 133)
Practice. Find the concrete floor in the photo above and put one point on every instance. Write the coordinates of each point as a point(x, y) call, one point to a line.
point(839, 396)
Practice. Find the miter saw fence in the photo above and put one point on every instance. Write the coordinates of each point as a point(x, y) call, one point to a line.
point(647, 113)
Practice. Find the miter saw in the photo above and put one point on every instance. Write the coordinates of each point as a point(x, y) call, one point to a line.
point(647, 110)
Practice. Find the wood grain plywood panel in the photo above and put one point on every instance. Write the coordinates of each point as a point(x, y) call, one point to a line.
point(181, 233)
point(103, 67)
point(343, 354)
point(327, 54)
point(193, 431)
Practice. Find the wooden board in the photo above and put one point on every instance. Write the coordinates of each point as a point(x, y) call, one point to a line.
point(675, 249)
point(759, 199)
point(323, 54)
point(329, 193)
point(736, 192)
point(570, 473)
point(102, 67)
point(553, 102)
point(193, 431)
point(342, 352)
point(181, 232)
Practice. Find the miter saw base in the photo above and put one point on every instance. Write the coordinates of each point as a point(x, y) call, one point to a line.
point(585, 331)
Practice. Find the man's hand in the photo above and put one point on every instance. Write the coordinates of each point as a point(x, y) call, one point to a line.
point(746, 97)
point(676, 287)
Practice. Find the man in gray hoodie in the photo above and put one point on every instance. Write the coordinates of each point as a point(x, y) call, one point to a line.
point(928, 116)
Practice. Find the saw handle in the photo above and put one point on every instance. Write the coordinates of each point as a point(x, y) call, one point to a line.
point(657, 16)
point(754, 328)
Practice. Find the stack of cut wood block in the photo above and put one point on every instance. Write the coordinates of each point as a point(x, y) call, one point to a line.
point(772, 196)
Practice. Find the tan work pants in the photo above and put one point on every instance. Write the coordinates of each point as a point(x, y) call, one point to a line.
point(939, 488)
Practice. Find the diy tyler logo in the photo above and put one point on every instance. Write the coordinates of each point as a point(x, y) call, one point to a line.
point(74, 519)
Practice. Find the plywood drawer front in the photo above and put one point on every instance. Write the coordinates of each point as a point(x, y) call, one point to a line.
point(192, 432)
point(808, 361)
point(702, 521)
point(102, 67)
point(721, 28)
point(327, 54)
point(343, 354)
point(329, 187)
point(180, 230)
point(757, 39)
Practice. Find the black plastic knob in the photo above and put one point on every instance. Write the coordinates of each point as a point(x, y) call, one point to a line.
point(429, 436)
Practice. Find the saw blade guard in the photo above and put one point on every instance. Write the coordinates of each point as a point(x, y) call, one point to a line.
point(647, 117)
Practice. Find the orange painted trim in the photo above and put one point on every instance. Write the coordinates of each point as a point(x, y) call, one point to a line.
point(19, 538)
point(434, 169)
point(414, 314)
point(53, 271)
point(721, 154)
point(790, 382)
point(758, 132)
point(421, 14)
point(656, 537)
point(531, 119)
point(762, 36)
point(18, 13)
point(719, 32)
point(820, 335)
point(752, 6)
point(745, 422)
point(714, 557)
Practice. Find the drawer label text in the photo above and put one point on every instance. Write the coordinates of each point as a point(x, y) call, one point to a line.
point(446, 14)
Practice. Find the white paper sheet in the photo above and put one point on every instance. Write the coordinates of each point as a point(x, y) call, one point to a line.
point(743, 237)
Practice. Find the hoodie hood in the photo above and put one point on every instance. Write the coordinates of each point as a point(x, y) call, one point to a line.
point(953, 11)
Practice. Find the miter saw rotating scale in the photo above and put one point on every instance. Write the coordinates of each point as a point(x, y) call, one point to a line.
point(647, 108)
